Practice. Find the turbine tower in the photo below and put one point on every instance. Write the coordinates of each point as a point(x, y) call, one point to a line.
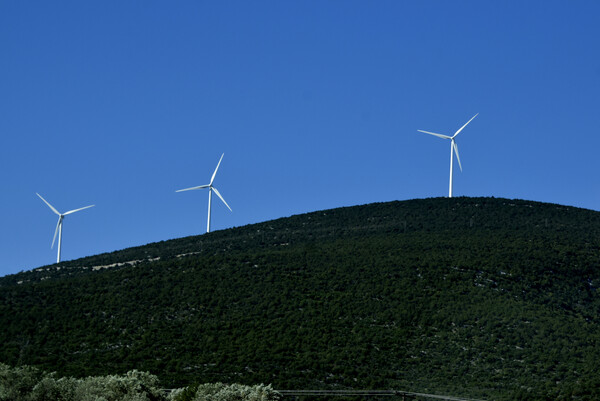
point(453, 148)
point(210, 190)
point(59, 225)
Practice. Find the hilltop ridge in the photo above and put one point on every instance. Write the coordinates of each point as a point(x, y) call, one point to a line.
point(455, 214)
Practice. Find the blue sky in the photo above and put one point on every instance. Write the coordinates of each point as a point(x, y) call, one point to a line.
point(316, 105)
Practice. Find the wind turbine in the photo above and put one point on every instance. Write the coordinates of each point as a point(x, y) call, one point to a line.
point(453, 148)
point(210, 190)
point(59, 225)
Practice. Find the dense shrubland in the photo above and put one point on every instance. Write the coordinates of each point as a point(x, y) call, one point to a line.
point(480, 297)
point(27, 383)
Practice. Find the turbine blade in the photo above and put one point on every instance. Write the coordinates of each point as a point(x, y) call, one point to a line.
point(192, 188)
point(455, 146)
point(55, 232)
point(461, 128)
point(433, 133)
point(219, 195)
point(215, 173)
point(49, 205)
point(76, 210)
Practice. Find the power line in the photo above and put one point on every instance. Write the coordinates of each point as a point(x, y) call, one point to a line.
point(370, 393)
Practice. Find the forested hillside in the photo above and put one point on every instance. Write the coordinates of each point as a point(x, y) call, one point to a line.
point(475, 297)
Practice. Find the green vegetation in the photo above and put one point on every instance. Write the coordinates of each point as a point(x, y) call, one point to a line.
point(475, 297)
point(30, 384)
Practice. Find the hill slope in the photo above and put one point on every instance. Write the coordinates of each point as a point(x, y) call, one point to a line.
point(481, 297)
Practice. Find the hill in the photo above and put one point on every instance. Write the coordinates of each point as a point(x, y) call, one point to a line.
point(477, 297)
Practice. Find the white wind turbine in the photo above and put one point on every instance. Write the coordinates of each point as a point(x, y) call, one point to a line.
point(453, 148)
point(58, 230)
point(210, 190)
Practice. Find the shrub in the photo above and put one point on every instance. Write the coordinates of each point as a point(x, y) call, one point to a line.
point(30, 384)
point(235, 392)
point(51, 389)
point(16, 384)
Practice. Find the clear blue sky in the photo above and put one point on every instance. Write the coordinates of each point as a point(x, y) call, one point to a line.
point(316, 105)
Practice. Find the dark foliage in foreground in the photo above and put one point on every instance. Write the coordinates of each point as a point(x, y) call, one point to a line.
point(480, 297)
